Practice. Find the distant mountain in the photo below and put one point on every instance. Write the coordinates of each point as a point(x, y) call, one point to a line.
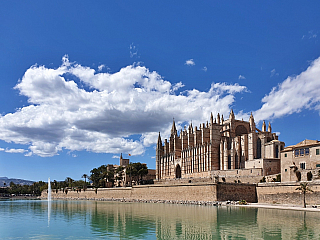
point(4, 181)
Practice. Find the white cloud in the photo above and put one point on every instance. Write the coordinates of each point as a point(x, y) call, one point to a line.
point(28, 154)
point(133, 50)
point(273, 73)
point(204, 69)
point(190, 62)
point(13, 150)
point(101, 67)
point(122, 112)
point(241, 77)
point(310, 35)
point(115, 156)
point(293, 94)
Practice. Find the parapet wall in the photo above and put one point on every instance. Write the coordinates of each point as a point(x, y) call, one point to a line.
point(176, 192)
point(286, 193)
point(227, 191)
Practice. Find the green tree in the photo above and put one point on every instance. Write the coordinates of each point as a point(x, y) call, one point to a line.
point(55, 184)
point(69, 180)
point(304, 188)
point(96, 175)
point(99, 176)
point(137, 170)
point(85, 176)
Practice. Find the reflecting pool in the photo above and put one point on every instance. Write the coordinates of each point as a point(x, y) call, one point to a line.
point(36, 219)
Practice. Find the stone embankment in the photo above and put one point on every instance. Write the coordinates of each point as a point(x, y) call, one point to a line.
point(199, 193)
point(191, 192)
point(200, 203)
point(286, 193)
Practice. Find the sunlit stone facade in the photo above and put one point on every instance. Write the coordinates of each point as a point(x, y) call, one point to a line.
point(301, 158)
point(218, 145)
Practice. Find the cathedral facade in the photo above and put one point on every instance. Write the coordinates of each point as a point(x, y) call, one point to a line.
point(217, 146)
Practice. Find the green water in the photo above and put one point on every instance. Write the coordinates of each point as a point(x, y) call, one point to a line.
point(23, 219)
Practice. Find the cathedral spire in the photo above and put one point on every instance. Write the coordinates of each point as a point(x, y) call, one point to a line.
point(231, 116)
point(173, 129)
point(218, 118)
point(269, 128)
point(252, 123)
point(264, 126)
point(159, 140)
point(211, 119)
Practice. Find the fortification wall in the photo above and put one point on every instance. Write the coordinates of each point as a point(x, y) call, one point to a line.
point(286, 193)
point(249, 176)
point(181, 192)
point(236, 192)
point(106, 193)
point(176, 192)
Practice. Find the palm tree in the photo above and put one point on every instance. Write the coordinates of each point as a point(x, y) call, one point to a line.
point(304, 188)
point(55, 184)
point(70, 181)
point(85, 176)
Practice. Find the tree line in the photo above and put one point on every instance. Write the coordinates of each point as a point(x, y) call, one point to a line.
point(103, 176)
point(17, 189)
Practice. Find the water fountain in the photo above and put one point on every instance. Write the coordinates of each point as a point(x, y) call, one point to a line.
point(49, 201)
point(49, 190)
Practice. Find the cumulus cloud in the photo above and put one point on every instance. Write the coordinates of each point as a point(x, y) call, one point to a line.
point(114, 113)
point(13, 150)
point(190, 62)
point(204, 69)
point(241, 77)
point(293, 94)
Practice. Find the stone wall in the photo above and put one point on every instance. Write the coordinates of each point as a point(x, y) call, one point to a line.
point(106, 193)
point(286, 193)
point(236, 192)
point(176, 192)
point(271, 166)
point(249, 176)
point(272, 193)
point(183, 192)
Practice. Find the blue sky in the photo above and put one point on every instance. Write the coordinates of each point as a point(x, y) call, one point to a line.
point(83, 81)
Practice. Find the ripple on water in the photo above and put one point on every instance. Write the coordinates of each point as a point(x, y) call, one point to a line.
point(114, 220)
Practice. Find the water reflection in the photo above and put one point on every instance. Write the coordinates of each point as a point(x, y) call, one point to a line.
point(113, 220)
point(199, 222)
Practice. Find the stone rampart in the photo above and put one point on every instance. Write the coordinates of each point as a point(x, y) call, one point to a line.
point(272, 193)
point(236, 192)
point(286, 193)
point(176, 192)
